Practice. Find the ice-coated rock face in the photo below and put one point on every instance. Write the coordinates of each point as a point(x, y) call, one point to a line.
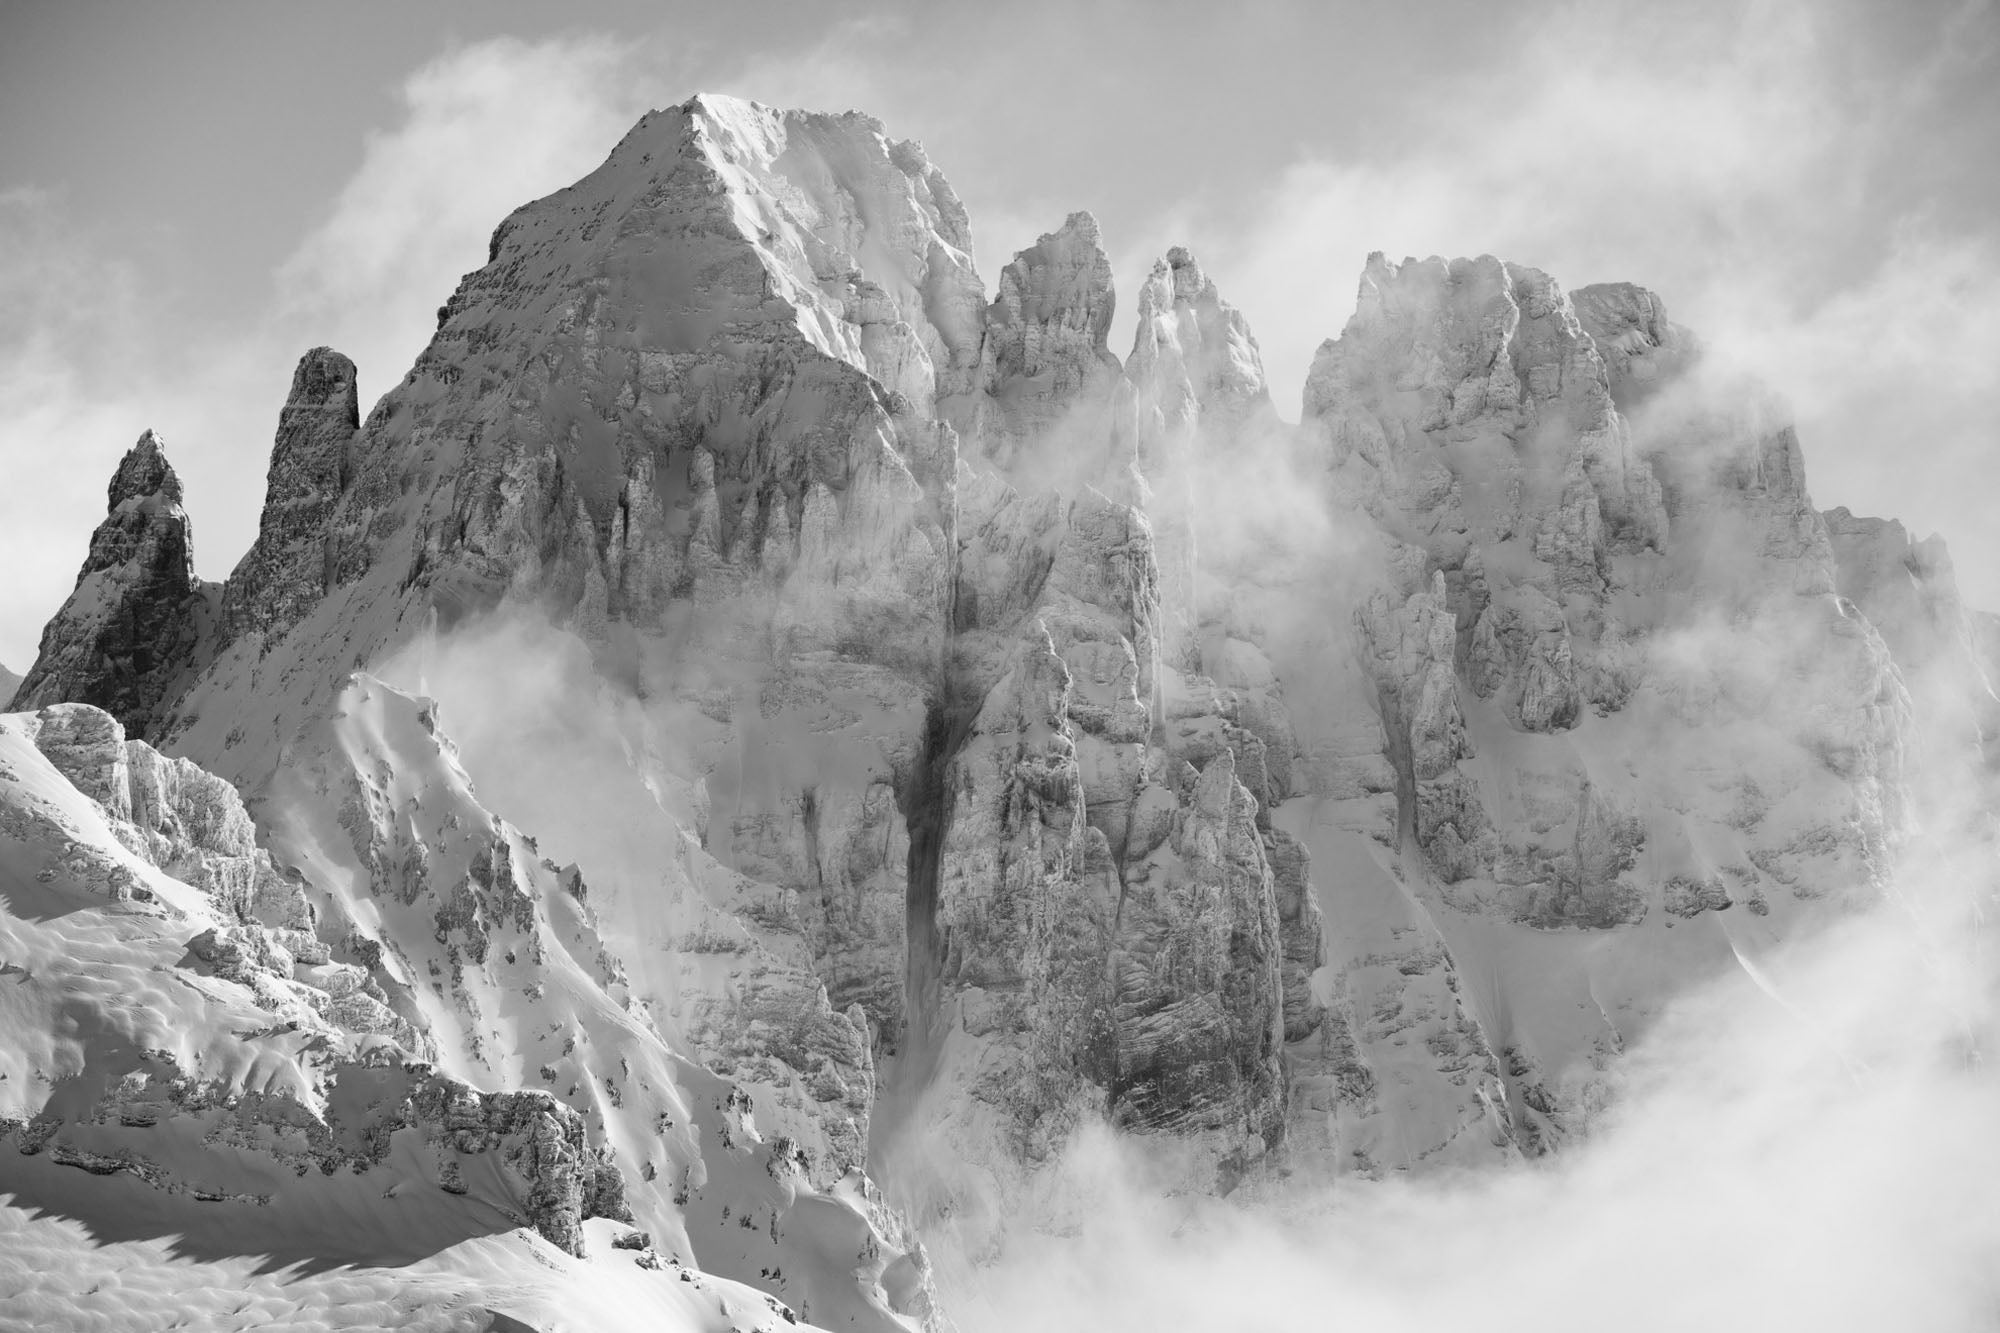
point(286, 570)
point(1469, 395)
point(8, 682)
point(1193, 356)
point(1642, 349)
point(1046, 374)
point(132, 633)
point(1197, 383)
point(1199, 970)
point(1581, 624)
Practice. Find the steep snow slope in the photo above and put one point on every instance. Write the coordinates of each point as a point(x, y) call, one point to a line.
point(160, 1013)
point(188, 1068)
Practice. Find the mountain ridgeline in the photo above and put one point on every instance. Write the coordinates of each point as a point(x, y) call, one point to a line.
point(987, 737)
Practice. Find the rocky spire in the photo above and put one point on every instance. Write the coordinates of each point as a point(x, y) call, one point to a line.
point(1044, 360)
point(131, 632)
point(285, 572)
point(1197, 382)
point(1194, 354)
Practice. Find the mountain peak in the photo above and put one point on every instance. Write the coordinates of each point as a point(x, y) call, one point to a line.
point(1641, 347)
point(142, 473)
point(325, 382)
point(1046, 372)
point(130, 632)
point(1193, 345)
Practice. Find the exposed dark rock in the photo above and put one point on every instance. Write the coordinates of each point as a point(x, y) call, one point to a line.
point(134, 631)
point(288, 569)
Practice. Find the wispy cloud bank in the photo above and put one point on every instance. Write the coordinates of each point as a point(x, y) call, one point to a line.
point(1809, 1148)
point(483, 130)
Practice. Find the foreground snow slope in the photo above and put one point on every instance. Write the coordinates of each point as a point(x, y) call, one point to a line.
point(56, 1272)
point(190, 1072)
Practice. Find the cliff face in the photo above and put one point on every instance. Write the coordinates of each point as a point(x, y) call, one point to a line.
point(988, 737)
point(287, 570)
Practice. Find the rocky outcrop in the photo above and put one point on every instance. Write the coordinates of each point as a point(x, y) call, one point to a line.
point(1046, 375)
point(287, 569)
point(136, 628)
point(1193, 359)
point(1109, 931)
point(1409, 649)
point(1199, 971)
point(1641, 348)
point(1197, 380)
point(193, 827)
point(1471, 402)
point(144, 1126)
point(729, 458)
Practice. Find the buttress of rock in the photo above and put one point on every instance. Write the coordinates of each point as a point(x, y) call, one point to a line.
point(133, 629)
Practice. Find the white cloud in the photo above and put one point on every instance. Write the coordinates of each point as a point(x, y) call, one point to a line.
point(483, 130)
point(1817, 1156)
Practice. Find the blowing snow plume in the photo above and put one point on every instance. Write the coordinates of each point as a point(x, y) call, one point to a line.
point(780, 767)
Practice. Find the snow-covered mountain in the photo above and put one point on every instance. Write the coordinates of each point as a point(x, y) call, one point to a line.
point(944, 736)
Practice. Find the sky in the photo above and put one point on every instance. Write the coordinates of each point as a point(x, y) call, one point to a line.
point(193, 195)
